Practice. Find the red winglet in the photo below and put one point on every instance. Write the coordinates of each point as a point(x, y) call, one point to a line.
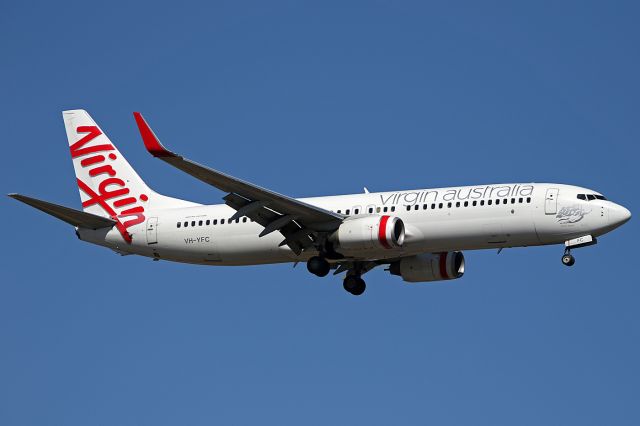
point(150, 139)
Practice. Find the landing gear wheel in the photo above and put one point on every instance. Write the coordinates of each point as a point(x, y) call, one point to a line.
point(354, 285)
point(568, 259)
point(318, 266)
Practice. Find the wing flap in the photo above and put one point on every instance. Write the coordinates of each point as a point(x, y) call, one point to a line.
point(66, 214)
point(296, 236)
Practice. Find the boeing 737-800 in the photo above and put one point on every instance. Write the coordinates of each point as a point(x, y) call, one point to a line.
point(419, 234)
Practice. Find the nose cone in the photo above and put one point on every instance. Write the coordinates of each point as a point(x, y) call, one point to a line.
point(618, 215)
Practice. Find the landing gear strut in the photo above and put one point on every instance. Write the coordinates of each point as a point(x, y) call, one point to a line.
point(567, 258)
point(319, 266)
point(354, 285)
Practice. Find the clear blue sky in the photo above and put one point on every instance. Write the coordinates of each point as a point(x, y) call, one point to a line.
point(314, 99)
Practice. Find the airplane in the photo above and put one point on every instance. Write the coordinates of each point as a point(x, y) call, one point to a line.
point(420, 235)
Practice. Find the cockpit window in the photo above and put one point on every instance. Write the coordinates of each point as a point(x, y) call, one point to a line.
point(591, 197)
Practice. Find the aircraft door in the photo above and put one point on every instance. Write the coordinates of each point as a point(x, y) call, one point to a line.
point(152, 230)
point(551, 201)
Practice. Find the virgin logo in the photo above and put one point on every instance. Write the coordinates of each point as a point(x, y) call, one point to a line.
point(113, 193)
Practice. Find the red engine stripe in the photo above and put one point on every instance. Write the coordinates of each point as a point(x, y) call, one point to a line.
point(382, 232)
point(443, 266)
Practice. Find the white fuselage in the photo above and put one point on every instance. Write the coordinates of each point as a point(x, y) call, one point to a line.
point(436, 220)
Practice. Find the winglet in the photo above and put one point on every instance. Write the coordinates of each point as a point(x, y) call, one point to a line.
point(151, 141)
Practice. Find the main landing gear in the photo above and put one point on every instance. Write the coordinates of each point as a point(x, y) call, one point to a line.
point(354, 284)
point(319, 266)
point(567, 258)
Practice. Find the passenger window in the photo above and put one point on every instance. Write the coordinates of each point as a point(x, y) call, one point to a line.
point(440, 205)
point(221, 221)
point(408, 208)
point(208, 222)
point(504, 201)
point(458, 204)
point(513, 201)
point(466, 204)
point(244, 220)
point(489, 202)
point(528, 199)
point(433, 206)
point(449, 205)
point(356, 211)
point(348, 211)
point(200, 223)
point(520, 200)
point(215, 221)
point(393, 208)
point(377, 209)
point(370, 209)
point(416, 207)
point(482, 202)
point(186, 224)
point(193, 223)
point(475, 203)
point(582, 197)
point(424, 207)
point(340, 211)
point(179, 224)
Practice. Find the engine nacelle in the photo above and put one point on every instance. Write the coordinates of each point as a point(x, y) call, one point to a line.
point(373, 232)
point(429, 267)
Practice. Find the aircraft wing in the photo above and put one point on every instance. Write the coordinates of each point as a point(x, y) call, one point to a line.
point(296, 220)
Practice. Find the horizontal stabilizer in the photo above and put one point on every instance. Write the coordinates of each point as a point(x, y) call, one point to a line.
point(71, 216)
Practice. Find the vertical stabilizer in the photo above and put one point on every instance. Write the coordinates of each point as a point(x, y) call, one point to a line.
point(108, 185)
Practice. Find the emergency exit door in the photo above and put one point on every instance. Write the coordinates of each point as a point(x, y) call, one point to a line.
point(152, 230)
point(551, 201)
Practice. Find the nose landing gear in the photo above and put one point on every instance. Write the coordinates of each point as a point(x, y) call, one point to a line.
point(567, 258)
point(584, 241)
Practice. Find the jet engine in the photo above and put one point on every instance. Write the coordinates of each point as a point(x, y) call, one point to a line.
point(429, 267)
point(364, 233)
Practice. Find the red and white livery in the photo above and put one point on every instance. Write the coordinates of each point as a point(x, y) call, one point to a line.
point(419, 234)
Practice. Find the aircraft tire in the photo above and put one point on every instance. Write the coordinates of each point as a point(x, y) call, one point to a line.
point(318, 266)
point(354, 285)
point(568, 260)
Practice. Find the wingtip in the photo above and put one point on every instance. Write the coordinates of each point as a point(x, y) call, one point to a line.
point(151, 141)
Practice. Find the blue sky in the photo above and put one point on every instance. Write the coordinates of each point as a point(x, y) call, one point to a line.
point(313, 99)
